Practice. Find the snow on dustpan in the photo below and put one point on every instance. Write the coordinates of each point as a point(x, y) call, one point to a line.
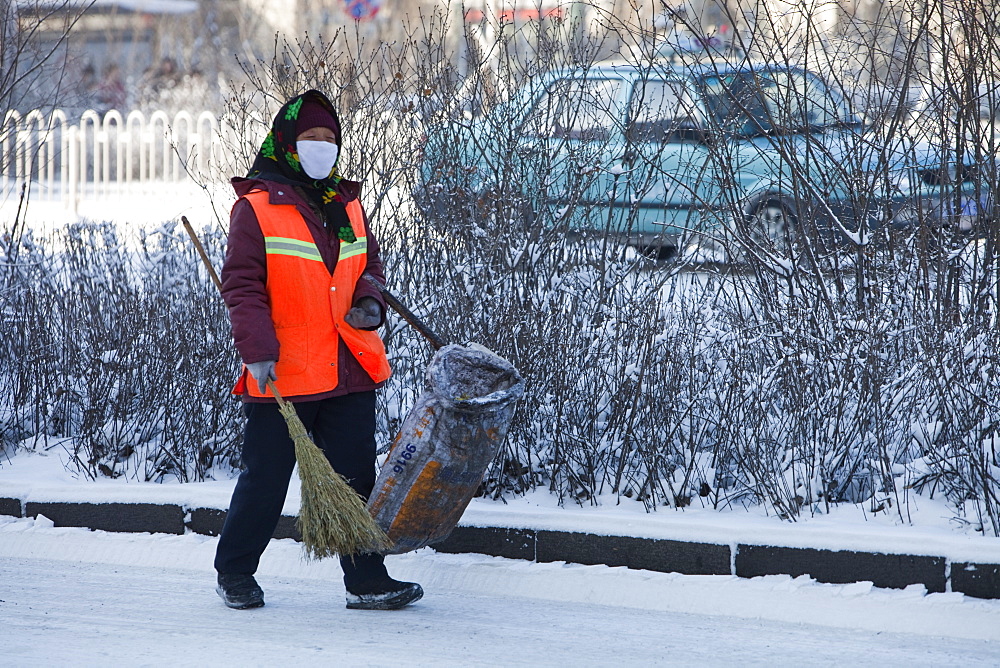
point(437, 461)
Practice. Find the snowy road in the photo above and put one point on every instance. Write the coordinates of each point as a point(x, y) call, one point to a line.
point(74, 597)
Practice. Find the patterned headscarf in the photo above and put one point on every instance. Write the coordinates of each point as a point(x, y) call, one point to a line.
point(278, 161)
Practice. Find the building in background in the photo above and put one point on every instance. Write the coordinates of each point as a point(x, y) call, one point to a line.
point(101, 55)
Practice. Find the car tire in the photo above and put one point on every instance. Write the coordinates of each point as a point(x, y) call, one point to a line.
point(773, 225)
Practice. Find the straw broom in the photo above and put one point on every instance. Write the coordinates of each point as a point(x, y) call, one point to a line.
point(332, 517)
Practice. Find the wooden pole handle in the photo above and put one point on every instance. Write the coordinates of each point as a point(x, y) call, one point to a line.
point(218, 283)
point(406, 313)
point(201, 252)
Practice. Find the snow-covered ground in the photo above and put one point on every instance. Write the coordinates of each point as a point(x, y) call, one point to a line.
point(70, 596)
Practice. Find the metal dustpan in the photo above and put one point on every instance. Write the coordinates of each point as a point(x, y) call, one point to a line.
point(455, 429)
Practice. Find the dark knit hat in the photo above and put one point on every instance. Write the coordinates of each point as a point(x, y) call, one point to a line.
point(315, 115)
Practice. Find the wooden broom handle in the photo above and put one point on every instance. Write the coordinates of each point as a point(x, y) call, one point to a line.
point(218, 283)
point(202, 253)
point(406, 313)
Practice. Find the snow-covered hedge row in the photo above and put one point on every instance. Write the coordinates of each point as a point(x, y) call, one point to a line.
point(716, 387)
point(112, 338)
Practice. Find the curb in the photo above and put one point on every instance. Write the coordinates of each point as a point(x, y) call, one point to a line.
point(894, 571)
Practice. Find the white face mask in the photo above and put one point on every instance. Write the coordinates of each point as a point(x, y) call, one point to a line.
point(317, 157)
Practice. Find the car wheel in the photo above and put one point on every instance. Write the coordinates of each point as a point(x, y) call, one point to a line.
point(773, 225)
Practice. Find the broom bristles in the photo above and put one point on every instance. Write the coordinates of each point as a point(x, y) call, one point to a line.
point(332, 519)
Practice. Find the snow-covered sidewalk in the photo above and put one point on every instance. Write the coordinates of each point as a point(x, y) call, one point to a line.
point(70, 596)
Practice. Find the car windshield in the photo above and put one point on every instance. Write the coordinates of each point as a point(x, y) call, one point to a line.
point(771, 102)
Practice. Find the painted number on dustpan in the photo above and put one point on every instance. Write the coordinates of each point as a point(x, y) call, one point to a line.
point(404, 458)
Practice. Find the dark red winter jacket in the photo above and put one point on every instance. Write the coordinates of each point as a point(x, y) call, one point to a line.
point(244, 280)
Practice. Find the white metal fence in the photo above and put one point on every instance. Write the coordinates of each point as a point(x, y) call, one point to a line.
point(63, 161)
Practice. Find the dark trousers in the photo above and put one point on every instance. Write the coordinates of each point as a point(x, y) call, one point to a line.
point(344, 428)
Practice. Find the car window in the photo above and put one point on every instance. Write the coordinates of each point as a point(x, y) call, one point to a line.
point(664, 111)
point(585, 109)
point(771, 102)
point(735, 103)
point(801, 101)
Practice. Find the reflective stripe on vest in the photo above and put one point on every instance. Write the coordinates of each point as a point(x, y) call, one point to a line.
point(298, 285)
point(282, 246)
point(307, 250)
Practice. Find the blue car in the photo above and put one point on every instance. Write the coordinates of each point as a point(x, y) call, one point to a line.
point(676, 152)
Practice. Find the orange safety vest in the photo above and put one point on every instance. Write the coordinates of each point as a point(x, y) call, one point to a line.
point(298, 286)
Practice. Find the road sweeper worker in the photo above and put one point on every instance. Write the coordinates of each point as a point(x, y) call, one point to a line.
point(298, 245)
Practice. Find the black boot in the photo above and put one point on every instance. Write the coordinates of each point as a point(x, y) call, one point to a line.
point(383, 593)
point(239, 591)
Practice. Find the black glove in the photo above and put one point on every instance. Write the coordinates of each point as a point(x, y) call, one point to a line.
point(366, 315)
